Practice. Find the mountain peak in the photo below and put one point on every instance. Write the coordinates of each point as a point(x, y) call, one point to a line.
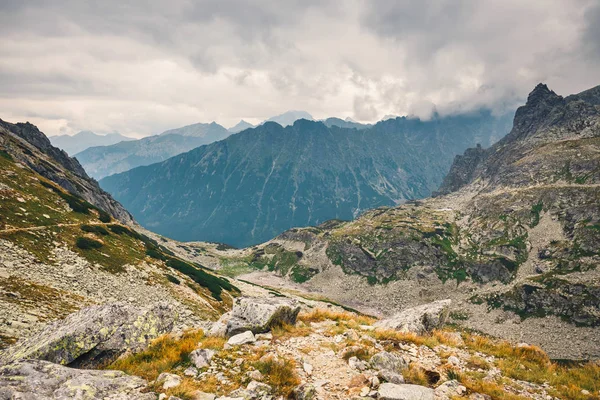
point(541, 93)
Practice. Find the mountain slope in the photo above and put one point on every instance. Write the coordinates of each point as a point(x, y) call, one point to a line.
point(268, 179)
point(107, 160)
point(513, 238)
point(26, 144)
point(85, 139)
point(59, 253)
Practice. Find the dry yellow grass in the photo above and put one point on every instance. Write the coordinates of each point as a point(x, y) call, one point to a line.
point(214, 343)
point(320, 314)
point(405, 337)
point(280, 374)
point(416, 375)
point(163, 354)
point(286, 331)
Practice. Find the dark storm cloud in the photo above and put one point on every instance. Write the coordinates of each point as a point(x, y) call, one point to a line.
point(143, 66)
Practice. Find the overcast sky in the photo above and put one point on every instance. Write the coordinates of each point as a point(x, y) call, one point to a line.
point(141, 67)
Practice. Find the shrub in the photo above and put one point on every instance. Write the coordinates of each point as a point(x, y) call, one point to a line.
point(95, 229)
point(173, 279)
point(103, 216)
point(87, 243)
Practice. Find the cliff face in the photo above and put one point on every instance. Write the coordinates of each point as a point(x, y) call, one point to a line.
point(25, 143)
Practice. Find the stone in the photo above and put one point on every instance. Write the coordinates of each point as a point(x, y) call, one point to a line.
point(255, 375)
point(418, 320)
point(357, 364)
point(391, 377)
point(306, 391)
point(259, 388)
point(201, 357)
point(198, 395)
point(449, 389)
point(37, 379)
point(168, 381)
point(307, 368)
point(389, 361)
point(390, 391)
point(259, 315)
point(191, 371)
point(95, 335)
point(240, 339)
point(453, 360)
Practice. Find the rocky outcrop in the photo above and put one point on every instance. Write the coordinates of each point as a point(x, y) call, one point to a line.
point(259, 315)
point(419, 320)
point(43, 380)
point(96, 335)
point(462, 170)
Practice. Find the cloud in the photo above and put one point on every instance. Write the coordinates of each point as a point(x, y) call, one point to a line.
point(141, 67)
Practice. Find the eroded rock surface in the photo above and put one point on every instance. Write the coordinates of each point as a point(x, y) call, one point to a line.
point(95, 335)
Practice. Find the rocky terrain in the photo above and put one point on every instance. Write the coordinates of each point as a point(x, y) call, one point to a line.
point(512, 238)
point(268, 179)
point(273, 347)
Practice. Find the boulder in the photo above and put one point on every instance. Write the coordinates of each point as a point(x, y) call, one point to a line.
point(390, 391)
point(95, 336)
point(168, 381)
point(388, 361)
point(391, 377)
point(259, 315)
point(201, 357)
point(240, 339)
point(43, 380)
point(418, 320)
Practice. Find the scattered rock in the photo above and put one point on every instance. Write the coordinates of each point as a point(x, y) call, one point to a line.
point(240, 339)
point(391, 377)
point(305, 391)
point(390, 391)
point(168, 381)
point(418, 320)
point(36, 379)
point(201, 357)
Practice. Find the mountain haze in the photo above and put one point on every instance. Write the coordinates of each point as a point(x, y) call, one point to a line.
point(102, 161)
point(260, 182)
point(85, 139)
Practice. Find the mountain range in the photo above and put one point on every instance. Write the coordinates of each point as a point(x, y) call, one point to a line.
point(265, 180)
point(102, 161)
point(85, 139)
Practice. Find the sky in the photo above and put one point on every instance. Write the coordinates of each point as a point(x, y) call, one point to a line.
point(142, 67)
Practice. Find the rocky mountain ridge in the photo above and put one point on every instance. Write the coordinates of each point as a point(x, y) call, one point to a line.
point(270, 178)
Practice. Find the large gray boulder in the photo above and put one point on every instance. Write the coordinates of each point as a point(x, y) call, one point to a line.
point(419, 320)
point(259, 315)
point(95, 336)
point(389, 361)
point(390, 391)
point(43, 380)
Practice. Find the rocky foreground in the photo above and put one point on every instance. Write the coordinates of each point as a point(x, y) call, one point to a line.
point(276, 348)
